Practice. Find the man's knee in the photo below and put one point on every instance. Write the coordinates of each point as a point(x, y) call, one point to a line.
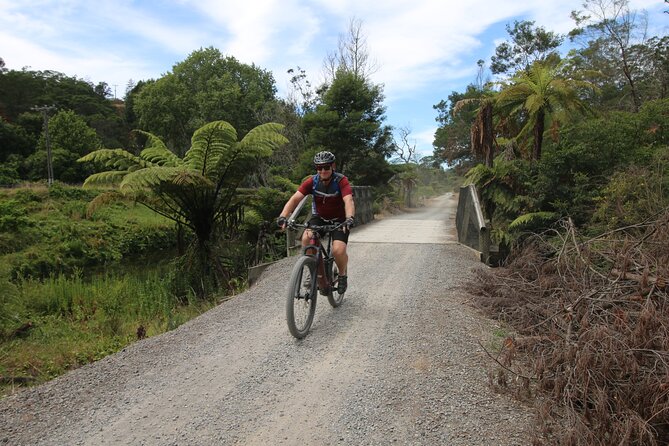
point(339, 249)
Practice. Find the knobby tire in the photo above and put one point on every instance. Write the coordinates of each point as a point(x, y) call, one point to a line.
point(334, 297)
point(301, 303)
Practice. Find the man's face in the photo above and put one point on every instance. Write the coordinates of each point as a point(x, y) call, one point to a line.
point(324, 170)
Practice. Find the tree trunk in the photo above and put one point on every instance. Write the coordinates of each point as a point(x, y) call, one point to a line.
point(488, 137)
point(538, 134)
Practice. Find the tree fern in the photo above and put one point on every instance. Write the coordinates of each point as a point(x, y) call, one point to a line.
point(198, 191)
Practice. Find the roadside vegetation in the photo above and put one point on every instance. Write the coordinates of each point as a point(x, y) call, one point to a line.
point(570, 157)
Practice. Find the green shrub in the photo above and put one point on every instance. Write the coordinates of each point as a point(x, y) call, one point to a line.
point(634, 194)
point(13, 216)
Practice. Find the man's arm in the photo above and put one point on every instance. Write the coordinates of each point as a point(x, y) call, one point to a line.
point(349, 206)
point(291, 204)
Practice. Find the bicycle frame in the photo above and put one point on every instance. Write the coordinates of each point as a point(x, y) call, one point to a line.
point(323, 254)
point(315, 247)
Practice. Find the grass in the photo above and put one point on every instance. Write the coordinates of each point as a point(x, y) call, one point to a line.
point(51, 326)
point(76, 287)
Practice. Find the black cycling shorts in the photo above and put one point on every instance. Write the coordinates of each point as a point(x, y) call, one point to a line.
point(339, 234)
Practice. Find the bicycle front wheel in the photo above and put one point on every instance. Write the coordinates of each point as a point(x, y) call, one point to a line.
point(301, 303)
point(334, 297)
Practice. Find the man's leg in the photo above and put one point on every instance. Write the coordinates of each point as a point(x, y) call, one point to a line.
point(341, 259)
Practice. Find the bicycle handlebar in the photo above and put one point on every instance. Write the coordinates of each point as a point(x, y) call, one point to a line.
point(327, 228)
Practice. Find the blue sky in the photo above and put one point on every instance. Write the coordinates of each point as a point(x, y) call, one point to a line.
point(425, 49)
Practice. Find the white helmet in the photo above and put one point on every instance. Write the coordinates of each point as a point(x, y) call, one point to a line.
point(324, 158)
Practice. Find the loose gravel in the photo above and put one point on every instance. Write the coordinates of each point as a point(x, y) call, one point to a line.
point(398, 363)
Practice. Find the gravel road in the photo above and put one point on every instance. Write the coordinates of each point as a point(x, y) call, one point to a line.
point(397, 363)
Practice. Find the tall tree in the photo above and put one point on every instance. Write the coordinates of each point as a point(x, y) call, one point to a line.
point(205, 87)
point(528, 44)
point(199, 191)
point(539, 97)
point(612, 29)
point(349, 121)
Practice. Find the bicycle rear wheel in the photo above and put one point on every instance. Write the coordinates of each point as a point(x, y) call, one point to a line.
point(334, 297)
point(301, 302)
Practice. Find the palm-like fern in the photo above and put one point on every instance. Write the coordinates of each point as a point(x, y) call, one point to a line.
point(541, 94)
point(198, 191)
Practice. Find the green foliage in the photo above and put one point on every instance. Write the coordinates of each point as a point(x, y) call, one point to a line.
point(541, 98)
point(452, 138)
point(9, 174)
point(199, 191)
point(634, 194)
point(70, 138)
point(527, 45)
point(45, 232)
point(203, 88)
point(572, 173)
point(14, 139)
point(12, 216)
point(22, 90)
point(533, 219)
point(348, 123)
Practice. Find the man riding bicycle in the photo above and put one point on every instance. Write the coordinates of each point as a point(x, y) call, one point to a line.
point(333, 201)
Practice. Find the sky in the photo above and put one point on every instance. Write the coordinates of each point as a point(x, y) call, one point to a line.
point(424, 49)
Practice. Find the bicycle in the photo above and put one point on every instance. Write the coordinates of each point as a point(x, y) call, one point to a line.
point(315, 270)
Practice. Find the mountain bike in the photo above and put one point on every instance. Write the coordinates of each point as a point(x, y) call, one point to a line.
point(314, 271)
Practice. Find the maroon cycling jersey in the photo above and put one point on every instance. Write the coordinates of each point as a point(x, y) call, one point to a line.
point(328, 200)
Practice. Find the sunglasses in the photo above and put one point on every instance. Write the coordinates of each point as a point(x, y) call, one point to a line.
point(326, 167)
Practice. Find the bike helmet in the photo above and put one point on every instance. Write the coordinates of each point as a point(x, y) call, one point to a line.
point(324, 158)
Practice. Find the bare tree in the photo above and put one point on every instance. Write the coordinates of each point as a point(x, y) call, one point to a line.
point(404, 149)
point(352, 54)
point(302, 95)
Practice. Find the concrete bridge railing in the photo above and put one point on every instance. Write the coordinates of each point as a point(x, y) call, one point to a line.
point(470, 223)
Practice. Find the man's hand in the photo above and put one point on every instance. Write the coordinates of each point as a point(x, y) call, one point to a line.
point(281, 222)
point(348, 224)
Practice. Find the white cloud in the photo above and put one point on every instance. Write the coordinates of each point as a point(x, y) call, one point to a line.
point(423, 47)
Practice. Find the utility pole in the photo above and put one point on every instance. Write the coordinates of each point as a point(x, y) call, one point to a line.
point(45, 109)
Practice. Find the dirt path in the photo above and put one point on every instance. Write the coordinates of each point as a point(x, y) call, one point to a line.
point(397, 363)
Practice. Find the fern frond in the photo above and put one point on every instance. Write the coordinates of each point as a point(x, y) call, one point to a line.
point(190, 178)
point(533, 218)
point(263, 140)
point(117, 159)
point(109, 178)
point(208, 145)
point(478, 175)
point(159, 175)
point(156, 152)
point(147, 178)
